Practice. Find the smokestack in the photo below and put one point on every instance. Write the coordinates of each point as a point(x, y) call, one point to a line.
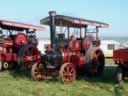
point(52, 15)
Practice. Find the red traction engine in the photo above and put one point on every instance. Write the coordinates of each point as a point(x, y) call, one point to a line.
point(120, 57)
point(73, 48)
point(18, 45)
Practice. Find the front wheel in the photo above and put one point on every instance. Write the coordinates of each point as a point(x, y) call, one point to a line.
point(67, 73)
point(37, 72)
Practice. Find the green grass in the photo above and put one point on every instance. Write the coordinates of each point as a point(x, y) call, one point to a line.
point(20, 85)
point(109, 61)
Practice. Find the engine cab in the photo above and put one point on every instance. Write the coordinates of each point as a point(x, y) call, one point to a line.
point(73, 48)
point(14, 38)
point(70, 39)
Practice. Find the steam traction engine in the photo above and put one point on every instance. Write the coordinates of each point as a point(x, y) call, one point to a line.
point(18, 45)
point(73, 48)
point(120, 56)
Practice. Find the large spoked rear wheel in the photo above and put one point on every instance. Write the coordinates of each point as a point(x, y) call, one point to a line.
point(38, 72)
point(28, 55)
point(67, 73)
point(94, 62)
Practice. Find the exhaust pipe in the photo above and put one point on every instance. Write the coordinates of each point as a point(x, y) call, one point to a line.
point(52, 15)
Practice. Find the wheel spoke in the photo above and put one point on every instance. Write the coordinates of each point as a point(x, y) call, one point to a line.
point(65, 73)
point(36, 73)
point(72, 70)
point(36, 70)
point(27, 52)
point(32, 52)
point(68, 68)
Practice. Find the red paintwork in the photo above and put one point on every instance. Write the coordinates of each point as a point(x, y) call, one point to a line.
point(83, 22)
point(15, 39)
point(73, 54)
point(19, 25)
point(66, 55)
point(87, 42)
point(120, 56)
point(75, 45)
point(7, 42)
point(78, 61)
point(30, 56)
point(21, 39)
point(14, 57)
point(8, 57)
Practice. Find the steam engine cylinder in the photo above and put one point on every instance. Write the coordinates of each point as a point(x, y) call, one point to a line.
point(53, 58)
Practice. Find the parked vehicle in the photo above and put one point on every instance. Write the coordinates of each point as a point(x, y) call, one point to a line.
point(18, 45)
point(75, 49)
point(108, 46)
point(120, 57)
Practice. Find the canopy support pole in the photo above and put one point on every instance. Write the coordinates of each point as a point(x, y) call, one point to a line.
point(85, 31)
point(68, 32)
point(97, 33)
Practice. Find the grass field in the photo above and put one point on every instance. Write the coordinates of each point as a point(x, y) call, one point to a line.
point(109, 61)
point(20, 85)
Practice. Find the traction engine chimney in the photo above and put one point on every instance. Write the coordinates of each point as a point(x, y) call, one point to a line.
point(52, 15)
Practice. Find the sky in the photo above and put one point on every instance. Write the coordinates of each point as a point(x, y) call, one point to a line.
point(113, 12)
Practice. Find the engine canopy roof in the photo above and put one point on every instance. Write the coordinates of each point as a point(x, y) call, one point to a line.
point(10, 25)
point(61, 20)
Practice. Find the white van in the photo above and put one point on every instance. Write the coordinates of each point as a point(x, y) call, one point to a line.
point(108, 46)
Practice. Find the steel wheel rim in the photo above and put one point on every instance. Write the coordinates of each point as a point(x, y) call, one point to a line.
point(37, 73)
point(68, 73)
